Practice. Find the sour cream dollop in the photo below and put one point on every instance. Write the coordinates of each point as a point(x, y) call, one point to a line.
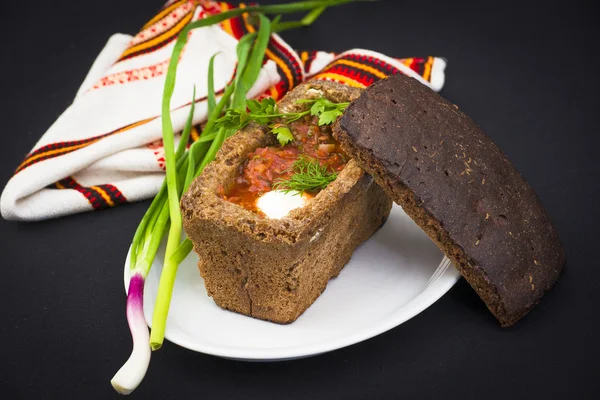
point(277, 204)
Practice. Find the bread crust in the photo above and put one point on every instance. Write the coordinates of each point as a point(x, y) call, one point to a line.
point(460, 188)
point(275, 269)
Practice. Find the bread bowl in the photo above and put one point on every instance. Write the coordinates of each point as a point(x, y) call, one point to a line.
point(275, 268)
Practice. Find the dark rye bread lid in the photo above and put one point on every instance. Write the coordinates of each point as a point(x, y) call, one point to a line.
point(456, 184)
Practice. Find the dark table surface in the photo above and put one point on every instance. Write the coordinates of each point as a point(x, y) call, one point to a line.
point(524, 71)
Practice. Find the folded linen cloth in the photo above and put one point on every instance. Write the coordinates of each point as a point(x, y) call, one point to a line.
point(106, 148)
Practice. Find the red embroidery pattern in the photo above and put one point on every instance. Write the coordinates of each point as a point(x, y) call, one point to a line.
point(163, 24)
point(156, 70)
point(133, 75)
point(159, 152)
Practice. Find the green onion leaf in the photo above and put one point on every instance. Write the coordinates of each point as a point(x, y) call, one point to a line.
point(197, 152)
point(185, 135)
point(210, 99)
point(257, 56)
point(243, 49)
point(182, 251)
point(212, 151)
point(306, 21)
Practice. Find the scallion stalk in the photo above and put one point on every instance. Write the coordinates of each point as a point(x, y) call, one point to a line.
point(182, 167)
point(168, 274)
point(133, 371)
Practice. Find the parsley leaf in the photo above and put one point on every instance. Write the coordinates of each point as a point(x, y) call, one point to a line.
point(326, 110)
point(284, 135)
point(330, 116)
point(268, 106)
point(263, 112)
point(318, 107)
point(244, 118)
point(253, 105)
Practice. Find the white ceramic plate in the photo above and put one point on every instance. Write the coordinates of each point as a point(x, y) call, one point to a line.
point(391, 278)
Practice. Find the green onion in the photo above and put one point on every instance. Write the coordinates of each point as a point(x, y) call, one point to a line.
point(243, 51)
point(210, 99)
point(145, 244)
point(254, 64)
point(182, 167)
point(185, 135)
point(307, 20)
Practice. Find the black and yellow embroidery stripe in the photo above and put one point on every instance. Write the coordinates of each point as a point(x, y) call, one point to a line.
point(239, 25)
point(366, 68)
point(351, 73)
point(374, 65)
point(361, 70)
point(226, 25)
point(159, 41)
point(53, 150)
point(195, 133)
point(99, 196)
point(340, 77)
point(307, 58)
point(164, 12)
point(426, 74)
point(287, 66)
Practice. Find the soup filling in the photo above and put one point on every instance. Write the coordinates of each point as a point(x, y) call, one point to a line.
point(277, 179)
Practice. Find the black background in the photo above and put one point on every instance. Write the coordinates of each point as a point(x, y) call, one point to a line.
point(526, 72)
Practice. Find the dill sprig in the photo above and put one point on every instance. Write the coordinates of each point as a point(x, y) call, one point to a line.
point(309, 176)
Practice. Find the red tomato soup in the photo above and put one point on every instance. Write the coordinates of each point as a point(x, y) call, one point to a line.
point(265, 165)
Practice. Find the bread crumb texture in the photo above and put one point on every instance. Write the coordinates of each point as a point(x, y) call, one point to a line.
point(459, 187)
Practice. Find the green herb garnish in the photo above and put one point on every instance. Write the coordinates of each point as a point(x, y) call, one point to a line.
point(264, 112)
point(327, 111)
point(284, 135)
point(309, 176)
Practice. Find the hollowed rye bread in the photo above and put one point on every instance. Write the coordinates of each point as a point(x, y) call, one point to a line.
point(459, 187)
point(275, 269)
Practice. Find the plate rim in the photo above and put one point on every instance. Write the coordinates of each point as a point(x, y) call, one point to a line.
point(433, 292)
